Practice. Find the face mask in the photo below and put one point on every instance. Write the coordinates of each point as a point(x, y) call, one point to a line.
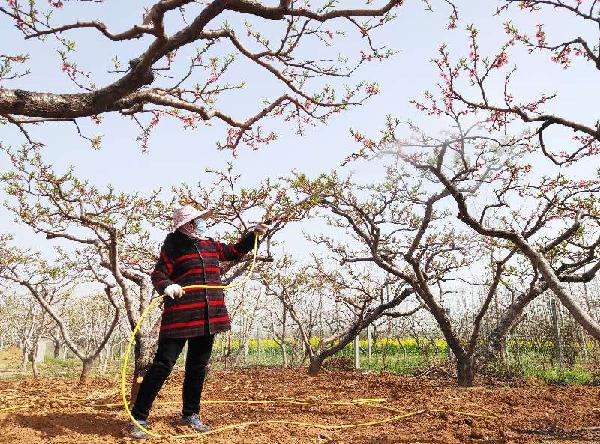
point(201, 227)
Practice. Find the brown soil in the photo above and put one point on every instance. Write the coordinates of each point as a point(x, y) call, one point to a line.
point(63, 411)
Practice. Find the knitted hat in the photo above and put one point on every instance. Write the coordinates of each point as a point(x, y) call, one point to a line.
point(187, 213)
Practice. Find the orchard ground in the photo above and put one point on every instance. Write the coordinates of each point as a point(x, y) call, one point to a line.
point(417, 410)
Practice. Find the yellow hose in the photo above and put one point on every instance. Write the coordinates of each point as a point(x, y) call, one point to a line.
point(306, 424)
point(15, 407)
point(153, 304)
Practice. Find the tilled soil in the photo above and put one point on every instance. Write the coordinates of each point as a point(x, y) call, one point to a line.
point(400, 410)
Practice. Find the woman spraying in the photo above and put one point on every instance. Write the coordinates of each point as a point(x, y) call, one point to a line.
point(188, 257)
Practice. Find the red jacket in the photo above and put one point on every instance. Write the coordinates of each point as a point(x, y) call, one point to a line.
point(185, 262)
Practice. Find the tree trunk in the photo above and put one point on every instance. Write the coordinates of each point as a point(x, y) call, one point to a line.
point(228, 351)
point(284, 354)
point(32, 358)
point(465, 371)
point(86, 368)
point(56, 352)
point(316, 363)
point(34, 369)
point(184, 353)
point(24, 358)
point(143, 353)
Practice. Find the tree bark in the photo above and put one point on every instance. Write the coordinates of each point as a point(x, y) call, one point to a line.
point(34, 369)
point(465, 371)
point(56, 352)
point(316, 363)
point(144, 353)
point(31, 356)
point(86, 368)
point(24, 358)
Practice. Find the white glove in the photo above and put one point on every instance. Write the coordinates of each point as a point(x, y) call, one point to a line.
point(260, 228)
point(174, 291)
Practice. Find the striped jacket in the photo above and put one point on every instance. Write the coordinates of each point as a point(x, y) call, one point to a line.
point(185, 261)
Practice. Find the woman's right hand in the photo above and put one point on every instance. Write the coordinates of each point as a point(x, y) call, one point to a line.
point(173, 291)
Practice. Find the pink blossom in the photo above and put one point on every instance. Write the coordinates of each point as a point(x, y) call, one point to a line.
point(501, 60)
point(541, 37)
point(372, 90)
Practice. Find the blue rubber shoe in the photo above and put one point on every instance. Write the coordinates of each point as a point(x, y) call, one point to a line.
point(194, 422)
point(136, 432)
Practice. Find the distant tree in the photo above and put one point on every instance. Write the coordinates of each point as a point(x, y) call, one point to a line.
point(23, 323)
point(328, 308)
point(358, 295)
point(50, 285)
point(403, 226)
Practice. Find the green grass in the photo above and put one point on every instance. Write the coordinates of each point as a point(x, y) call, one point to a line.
point(403, 357)
point(540, 366)
point(574, 376)
point(52, 366)
point(406, 357)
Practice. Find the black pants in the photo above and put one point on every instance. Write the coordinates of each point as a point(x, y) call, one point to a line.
point(198, 354)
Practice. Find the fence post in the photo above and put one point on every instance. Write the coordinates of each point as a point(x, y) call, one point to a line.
point(258, 343)
point(369, 338)
point(357, 352)
point(245, 336)
point(556, 331)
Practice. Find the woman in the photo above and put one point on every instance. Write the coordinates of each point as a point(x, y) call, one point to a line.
point(188, 257)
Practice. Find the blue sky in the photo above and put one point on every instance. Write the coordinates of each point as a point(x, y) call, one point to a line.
point(177, 155)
